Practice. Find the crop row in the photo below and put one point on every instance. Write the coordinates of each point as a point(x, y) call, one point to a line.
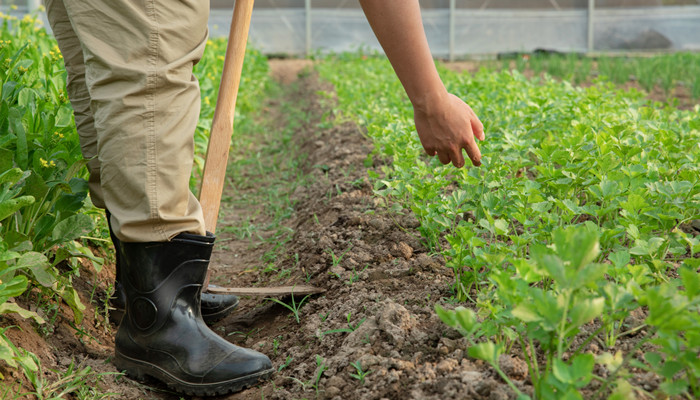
point(579, 216)
point(665, 71)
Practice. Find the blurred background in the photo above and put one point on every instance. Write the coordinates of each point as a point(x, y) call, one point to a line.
point(459, 29)
point(470, 28)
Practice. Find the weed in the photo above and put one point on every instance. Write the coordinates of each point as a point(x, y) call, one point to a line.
point(275, 345)
point(313, 382)
point(76, 380)
point(294, 307)
point(360, 373)
point(366, 339)
point(286, 363)
point(351, 328)
point(335, 260)
point(355, 275)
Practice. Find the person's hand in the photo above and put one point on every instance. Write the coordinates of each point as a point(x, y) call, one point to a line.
point(447, 128)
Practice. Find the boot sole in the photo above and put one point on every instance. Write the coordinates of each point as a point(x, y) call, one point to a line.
point(140, 370)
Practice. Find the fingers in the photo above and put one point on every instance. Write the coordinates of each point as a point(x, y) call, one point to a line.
point(445, 135)
point(478, 128)
point(454, 155)
point(444, 157)
point(473, 152)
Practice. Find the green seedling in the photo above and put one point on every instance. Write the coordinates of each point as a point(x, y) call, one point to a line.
point(286, 363)
point(360, 373)
point(294, 307)
point(276, 344)
point(335, 260)
point(355, 275)
point(313, 383)
point(351, 328)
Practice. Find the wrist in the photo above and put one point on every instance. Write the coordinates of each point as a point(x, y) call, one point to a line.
point(429, 102)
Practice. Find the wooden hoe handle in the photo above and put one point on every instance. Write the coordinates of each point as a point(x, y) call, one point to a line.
point(214, 173)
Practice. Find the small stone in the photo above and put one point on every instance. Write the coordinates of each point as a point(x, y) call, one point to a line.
point(377, 223)
point(446, 366)
point(469, 377)
point(514, 367)
point(332, 391)
point(405, 250)
point(403, 365)
point(335, 381)
point(449, 343)
point(337, 270)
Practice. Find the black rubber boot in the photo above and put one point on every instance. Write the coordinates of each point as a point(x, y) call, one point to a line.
point(214, 306)
point(163, 335)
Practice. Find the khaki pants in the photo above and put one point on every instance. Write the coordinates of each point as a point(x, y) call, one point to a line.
point(136, 102)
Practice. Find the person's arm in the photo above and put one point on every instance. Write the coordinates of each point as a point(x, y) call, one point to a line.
point(445, 123)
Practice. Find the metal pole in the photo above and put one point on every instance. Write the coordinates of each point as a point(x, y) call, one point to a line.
point(591, 20)
point(452, 29)
point(307, 7)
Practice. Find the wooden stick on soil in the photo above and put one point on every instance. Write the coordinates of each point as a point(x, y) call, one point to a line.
point(268, 291)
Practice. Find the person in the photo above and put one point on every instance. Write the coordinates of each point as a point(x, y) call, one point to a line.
point(129, 79)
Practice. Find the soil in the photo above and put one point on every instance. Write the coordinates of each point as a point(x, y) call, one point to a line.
point(378, 309)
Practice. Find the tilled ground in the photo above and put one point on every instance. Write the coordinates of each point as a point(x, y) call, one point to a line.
point(381, 287)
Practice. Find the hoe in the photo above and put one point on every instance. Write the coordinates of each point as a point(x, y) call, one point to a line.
point(214, 173)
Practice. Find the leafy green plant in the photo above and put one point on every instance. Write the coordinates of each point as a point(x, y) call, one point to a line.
point(42, 185)
point(571, 222)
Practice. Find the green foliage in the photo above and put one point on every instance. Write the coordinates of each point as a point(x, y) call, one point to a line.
point(662, 71)
point(75, 380)
point(43, 190)
point(574, 220)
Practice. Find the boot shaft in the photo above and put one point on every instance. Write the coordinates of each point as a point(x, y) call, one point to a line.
point(162, 278)
point(184, 258)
